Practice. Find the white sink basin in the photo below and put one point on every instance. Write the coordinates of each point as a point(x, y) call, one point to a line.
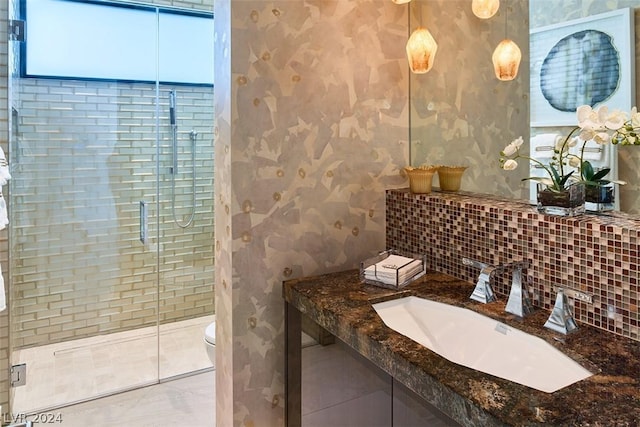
point(479, 342)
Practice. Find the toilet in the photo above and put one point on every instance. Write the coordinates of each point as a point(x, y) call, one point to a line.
point(210, 342)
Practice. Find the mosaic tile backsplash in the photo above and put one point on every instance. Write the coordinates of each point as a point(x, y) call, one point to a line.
point(595, 254)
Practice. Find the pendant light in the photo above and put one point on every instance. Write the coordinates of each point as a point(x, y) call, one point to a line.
point(400, 1)
point(506, 57)
point(485, 9)
point(506, 60)
point(421, 50)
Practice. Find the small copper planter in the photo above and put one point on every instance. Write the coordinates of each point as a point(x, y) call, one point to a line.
point(420, 178)
point(450, 177)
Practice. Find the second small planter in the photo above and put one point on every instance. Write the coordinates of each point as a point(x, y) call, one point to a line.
point(450, 177)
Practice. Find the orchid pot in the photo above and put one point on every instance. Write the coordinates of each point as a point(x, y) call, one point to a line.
point(569, 201)
point(599, 198)
point(569, 167)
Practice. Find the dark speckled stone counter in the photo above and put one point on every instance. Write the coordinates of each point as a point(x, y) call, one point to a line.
point(340, 303)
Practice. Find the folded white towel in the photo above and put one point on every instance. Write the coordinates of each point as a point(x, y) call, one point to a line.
point(543, 145)
point(5, 176)
point(593, 151)
point(4, 220)
point(393, 270)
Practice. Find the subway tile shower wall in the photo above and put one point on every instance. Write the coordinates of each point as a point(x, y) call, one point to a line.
point(87, 153)
point(595, 254)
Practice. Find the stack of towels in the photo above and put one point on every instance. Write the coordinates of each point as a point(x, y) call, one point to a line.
point(393, 270)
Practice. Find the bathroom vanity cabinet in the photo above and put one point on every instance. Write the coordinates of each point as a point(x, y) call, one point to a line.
point(341, 304)
point(340, 387)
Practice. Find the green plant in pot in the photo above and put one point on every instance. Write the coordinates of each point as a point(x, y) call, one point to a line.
point(603, 127)
point(599, 125)
point(558, 192)
point(597, 188)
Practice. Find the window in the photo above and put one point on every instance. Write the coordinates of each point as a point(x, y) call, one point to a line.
point(117, 41)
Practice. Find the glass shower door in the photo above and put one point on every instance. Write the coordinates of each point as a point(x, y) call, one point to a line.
point(186, 230)
point(84, 288)
point(111, 216)
point(185, 205)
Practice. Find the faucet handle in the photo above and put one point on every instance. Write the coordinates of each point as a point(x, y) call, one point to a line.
point(483, 292)
point(561, 319)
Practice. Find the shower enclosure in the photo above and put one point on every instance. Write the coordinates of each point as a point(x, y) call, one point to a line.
point(111, 200)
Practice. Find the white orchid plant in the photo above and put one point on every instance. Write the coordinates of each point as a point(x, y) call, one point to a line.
point(599, 125)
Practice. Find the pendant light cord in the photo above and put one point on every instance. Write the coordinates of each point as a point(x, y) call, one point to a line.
point(506, 12)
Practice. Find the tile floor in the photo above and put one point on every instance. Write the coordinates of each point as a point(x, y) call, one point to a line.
point(64, 373)
point(340, 389)
point(188, 401)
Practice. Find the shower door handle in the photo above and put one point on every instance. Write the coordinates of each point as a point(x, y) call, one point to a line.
point(144, 222)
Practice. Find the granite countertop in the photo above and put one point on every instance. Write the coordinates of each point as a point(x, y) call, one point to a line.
point(340, 303)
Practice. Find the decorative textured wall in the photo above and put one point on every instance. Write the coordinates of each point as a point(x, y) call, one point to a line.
point(461, 114)
point(312, 117)
point(591, 253)
point(311, 121)
point(545, 12)
point(223, 242)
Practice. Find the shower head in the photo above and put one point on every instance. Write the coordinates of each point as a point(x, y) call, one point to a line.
point(172, 107)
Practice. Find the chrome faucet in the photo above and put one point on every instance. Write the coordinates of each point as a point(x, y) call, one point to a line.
point(483, 292)
point(561, 319)
point(518, 302)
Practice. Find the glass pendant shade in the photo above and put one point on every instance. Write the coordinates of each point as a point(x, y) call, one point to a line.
point(421, 50)
point(506, 60)
point(400, 1)
point(485, 9)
